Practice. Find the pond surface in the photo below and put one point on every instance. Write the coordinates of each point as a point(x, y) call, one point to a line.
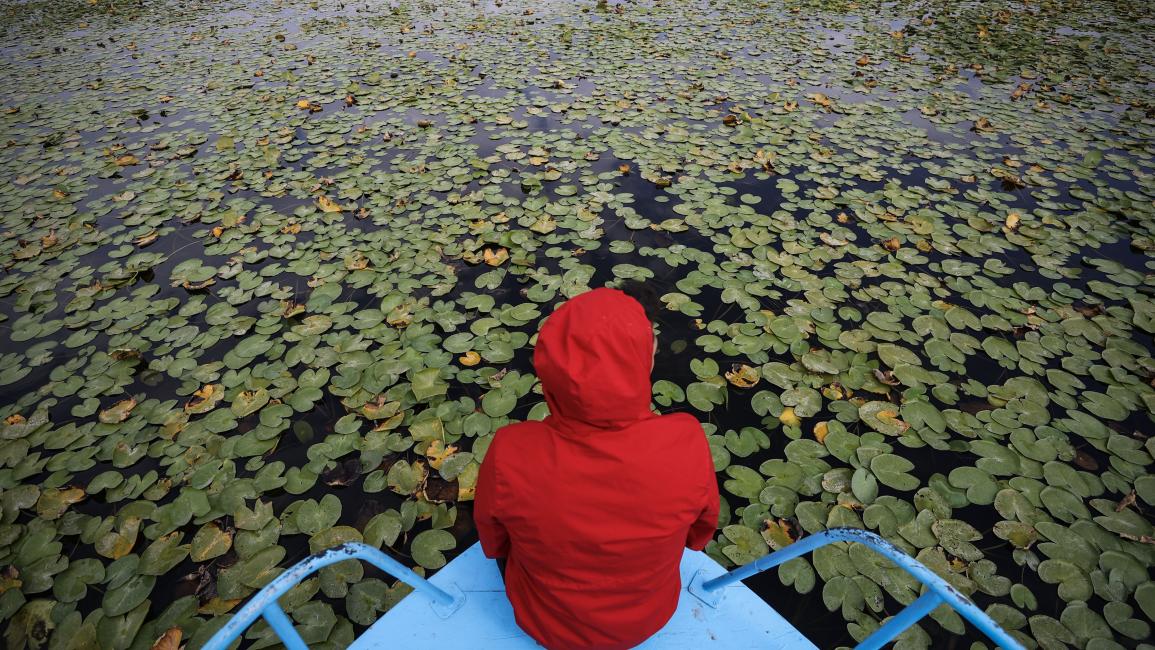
point(273, 270)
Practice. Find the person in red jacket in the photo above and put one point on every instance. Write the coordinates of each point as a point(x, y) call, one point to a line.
point(592, 506)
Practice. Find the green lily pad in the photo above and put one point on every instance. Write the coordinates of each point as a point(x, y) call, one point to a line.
point(891, 471)
point(209, 542)
point(249, 402)
point(746, 545)
point(498, 403)
point(428, 547)
point(427, 384)
point(883, 417)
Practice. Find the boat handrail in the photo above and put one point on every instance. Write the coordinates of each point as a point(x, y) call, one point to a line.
point(265, 603)
point(939, 590)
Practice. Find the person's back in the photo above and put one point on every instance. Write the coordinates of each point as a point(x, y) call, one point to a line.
point(593, 506)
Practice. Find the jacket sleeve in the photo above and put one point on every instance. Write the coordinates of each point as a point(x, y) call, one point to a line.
point(703, 529)
point(486, 514)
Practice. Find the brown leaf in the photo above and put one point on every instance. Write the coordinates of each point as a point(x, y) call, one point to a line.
point(1086, 461)
point(742, 376)
point(892, 244)
point(495, 257)
point(788, 417)
point(327, 205)
point(203, 398)
point(218, 606)
point(53, 502)
point(437, 490)
point(124, 354)
point(778, 533)
point(437, 453)
point(10, 579)
point(1142, 539)
point(118, 412)
point(145, 240)
point(344, 473)
point(170, 640)
point(820, 98)
point(356, 261)
point(835, 392)
point(1126, 502)
point(821, 430)
point(1090, 311)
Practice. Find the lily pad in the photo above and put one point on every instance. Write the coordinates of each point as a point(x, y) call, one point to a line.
point(428, 547)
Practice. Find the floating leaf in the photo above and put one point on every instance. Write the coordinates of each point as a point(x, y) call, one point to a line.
point(118, 412)
point(248, 402)
point(742, 376)
point(53, 502)
point(328, 205)
point(746, 545)
point(789, 418)
point(499, 402)
point(209, 542)
point(427, 383)
point(428, 547)
point(170, 640)
point(883, 417)
point(891, 470)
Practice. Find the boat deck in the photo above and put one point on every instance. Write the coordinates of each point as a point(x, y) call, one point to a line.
point(485, 620)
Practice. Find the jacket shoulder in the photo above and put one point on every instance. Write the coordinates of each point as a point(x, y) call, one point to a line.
point(518, 430)
point(516, 434)
point(682, 423)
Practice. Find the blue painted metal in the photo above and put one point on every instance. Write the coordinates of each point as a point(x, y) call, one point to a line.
point(898, 623)
point(281, 624)
point(715, 609)
point(265, 602)
point(941, 588)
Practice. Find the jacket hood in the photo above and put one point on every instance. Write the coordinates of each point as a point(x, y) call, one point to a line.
point(594, 356)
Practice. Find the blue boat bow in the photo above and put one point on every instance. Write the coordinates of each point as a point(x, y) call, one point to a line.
point(464, 604)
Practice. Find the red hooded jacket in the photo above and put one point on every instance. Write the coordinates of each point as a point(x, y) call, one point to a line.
point(593, 506)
